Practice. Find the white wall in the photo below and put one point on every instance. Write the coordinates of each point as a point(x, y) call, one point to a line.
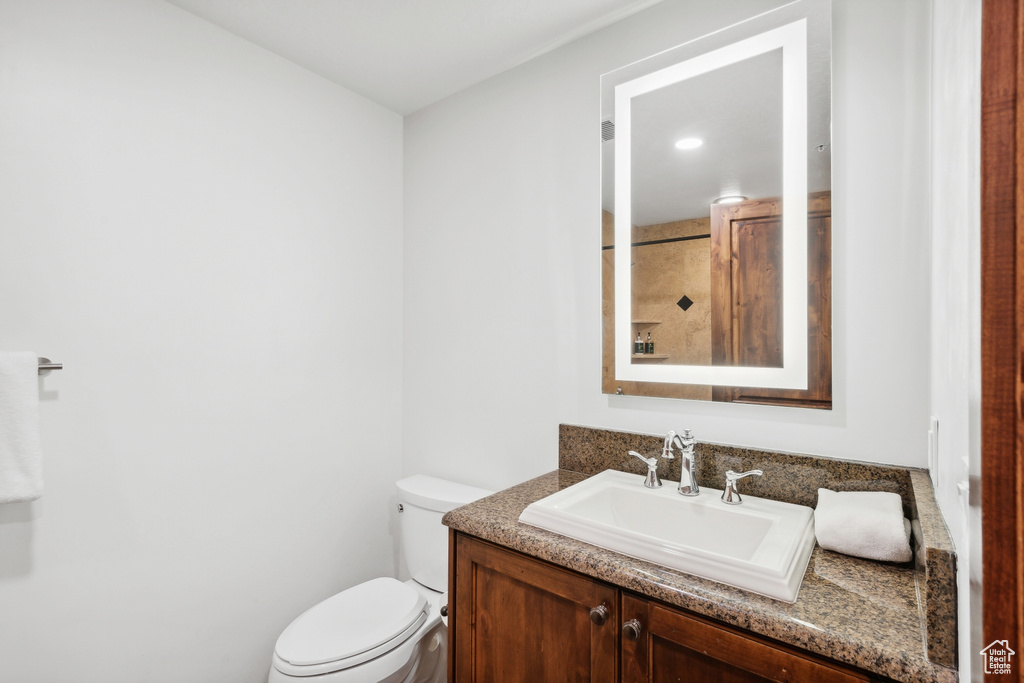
point(209, 238)
point(956, 295)
point(502, 293)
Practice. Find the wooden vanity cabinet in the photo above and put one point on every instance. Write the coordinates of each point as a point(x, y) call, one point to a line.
point(673, 645)
point(516, 619)
point(513, 618)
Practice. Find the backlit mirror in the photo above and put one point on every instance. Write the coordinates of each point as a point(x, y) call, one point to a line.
point(716, 165)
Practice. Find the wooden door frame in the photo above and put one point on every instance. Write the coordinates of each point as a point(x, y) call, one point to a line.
point(1002, 312)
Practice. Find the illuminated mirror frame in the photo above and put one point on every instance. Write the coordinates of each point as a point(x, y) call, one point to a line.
point(792, 39)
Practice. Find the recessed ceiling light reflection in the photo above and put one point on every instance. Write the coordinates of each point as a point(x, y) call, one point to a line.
point(730, 199)
point(689, 143)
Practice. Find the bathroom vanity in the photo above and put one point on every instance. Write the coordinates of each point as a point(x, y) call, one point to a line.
point(527, 604)
point(574, 631)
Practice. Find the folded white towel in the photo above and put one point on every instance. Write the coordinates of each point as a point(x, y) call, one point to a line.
point(865, 524)
point(21, 455)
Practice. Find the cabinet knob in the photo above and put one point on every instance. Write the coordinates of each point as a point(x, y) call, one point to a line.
point(631, 630)
point(599, 615)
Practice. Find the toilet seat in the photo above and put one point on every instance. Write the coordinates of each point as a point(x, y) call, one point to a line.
point(350, 628)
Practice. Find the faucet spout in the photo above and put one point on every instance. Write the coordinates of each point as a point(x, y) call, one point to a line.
point(666, 451)
point(652, 481)
point(688, 466)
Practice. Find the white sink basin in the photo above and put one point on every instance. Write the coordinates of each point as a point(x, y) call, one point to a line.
point(760, 545)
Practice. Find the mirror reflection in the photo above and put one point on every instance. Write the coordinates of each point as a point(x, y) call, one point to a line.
point(711, 158)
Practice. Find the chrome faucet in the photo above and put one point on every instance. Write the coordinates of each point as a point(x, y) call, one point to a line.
point(730, 495)
point(688, 466)
point(652, 481)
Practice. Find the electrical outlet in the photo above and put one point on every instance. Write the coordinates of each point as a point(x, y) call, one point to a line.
point(933, 451)
point(963, 489)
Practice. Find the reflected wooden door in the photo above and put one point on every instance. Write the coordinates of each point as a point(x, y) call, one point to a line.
point(746, 298)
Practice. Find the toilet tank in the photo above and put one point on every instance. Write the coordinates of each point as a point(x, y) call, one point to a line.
point(424, 539)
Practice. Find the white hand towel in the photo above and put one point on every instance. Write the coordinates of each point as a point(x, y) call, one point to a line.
point(865, 524)
point(21, 455)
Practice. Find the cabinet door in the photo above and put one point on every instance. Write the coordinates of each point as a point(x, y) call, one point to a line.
point(516, 619)
point(675, 646)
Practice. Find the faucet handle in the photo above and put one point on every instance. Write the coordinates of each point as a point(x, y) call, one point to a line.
point(652, 481)
point(730, 495)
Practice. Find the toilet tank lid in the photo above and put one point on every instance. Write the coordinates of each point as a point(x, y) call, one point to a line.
point(438, 494)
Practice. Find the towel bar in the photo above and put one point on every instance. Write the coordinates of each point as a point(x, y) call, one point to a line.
point(45, 365)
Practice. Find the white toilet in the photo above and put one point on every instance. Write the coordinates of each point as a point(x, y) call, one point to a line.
point(383, 630)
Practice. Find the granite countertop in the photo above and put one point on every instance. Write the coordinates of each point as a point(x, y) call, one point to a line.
point(863, 613)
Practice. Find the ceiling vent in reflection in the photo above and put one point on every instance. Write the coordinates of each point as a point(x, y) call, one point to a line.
point(607, 131)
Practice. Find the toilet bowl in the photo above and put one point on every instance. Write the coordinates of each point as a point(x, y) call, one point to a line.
point(383, 630)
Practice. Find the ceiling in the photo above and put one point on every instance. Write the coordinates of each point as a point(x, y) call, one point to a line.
point(735, 109)
point(407, 54)
point(742, 145)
